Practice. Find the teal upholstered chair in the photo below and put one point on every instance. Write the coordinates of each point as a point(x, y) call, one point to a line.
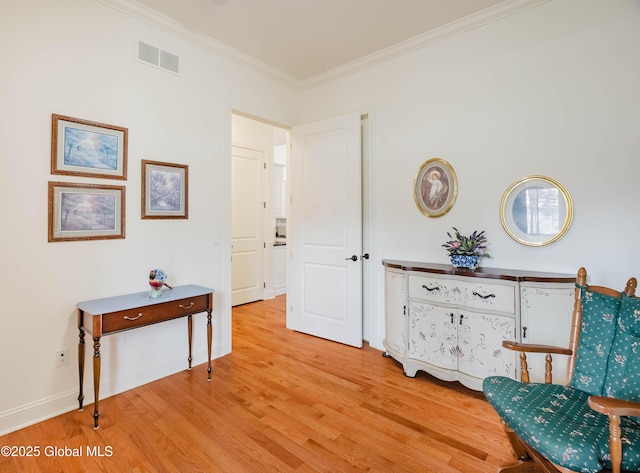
point(592, 424)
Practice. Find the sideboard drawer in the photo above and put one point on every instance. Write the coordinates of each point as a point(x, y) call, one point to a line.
point(128, 319)
point(474, 294)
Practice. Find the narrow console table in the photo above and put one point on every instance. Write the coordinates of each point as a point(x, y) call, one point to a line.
point(116, 314)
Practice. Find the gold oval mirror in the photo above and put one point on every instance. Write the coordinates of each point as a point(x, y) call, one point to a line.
point(536, 211)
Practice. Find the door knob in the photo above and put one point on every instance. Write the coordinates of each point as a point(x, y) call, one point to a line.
point(352, 258)
point(365, 256)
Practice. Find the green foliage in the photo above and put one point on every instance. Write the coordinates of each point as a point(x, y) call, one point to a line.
point(472, 245)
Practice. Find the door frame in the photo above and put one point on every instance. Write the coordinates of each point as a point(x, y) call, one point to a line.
point(372, 297)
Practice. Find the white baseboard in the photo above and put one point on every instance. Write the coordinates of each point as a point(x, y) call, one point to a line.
point(52, 406)
point(34, 412)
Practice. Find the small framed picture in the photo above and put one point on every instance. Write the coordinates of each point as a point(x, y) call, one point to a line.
point(85, 148)
point(165, 190)
point(85, 211)
point(536, 210)
point(435, 187)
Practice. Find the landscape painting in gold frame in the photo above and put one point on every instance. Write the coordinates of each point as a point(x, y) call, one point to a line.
point(85, 211)
point(165, 190)
point(85, 148)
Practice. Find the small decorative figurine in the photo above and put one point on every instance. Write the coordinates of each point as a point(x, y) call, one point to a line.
point(156, 281)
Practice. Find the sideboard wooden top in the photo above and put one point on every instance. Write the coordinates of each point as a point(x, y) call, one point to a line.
point(490, 273)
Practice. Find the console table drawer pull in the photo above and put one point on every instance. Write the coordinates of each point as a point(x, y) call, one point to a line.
point(186, 306)
point(126, 317)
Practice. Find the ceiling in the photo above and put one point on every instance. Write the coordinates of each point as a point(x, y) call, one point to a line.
point(307, 38)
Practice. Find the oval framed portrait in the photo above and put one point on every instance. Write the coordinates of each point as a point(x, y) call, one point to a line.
point(435, 187)
point(536, 211)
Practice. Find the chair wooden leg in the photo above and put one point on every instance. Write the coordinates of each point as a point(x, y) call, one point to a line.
point(524, 464)
point(544, 465)
point(529, 461)
point(521, 467)
point(516, 444)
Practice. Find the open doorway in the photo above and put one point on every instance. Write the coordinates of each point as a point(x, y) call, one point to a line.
point(274, 140)
point(258, 210)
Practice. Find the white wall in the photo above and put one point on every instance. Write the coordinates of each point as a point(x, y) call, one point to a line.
point(552, 90)
point(76, 58)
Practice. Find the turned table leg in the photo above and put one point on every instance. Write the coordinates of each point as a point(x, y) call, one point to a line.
point(81, 348)
point(96, 381)
point(209, 340)
point(190, 334)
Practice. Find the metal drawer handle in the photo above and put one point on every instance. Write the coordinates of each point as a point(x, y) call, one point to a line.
point(186, 307)
point(437, 288)
point(126, 317)
point(483, 297)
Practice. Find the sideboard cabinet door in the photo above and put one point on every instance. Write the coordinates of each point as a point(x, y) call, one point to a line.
point(480, 339)
point(433, 335)
point(395, 288)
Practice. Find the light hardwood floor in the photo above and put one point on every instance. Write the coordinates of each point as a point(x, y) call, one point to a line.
point(281, 401)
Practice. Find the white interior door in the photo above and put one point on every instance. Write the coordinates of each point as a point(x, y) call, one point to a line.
point(325, 230)
point(247, 225)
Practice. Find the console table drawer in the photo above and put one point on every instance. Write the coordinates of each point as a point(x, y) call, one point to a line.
point(132, 318)
point(474, 294)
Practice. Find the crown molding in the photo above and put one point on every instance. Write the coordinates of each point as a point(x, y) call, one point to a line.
point(153, 18)
point(476, 20)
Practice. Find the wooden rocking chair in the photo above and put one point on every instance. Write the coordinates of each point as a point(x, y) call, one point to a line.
point(593, 423)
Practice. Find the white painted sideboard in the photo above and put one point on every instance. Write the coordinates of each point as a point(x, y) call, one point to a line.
point(451, 323)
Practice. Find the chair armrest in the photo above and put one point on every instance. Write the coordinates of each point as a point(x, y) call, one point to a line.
point(534, 348)
point(612, 406)
point(524, 348)
point(614, 409)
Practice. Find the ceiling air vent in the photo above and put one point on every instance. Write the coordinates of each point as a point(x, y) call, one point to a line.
point(158, 57)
